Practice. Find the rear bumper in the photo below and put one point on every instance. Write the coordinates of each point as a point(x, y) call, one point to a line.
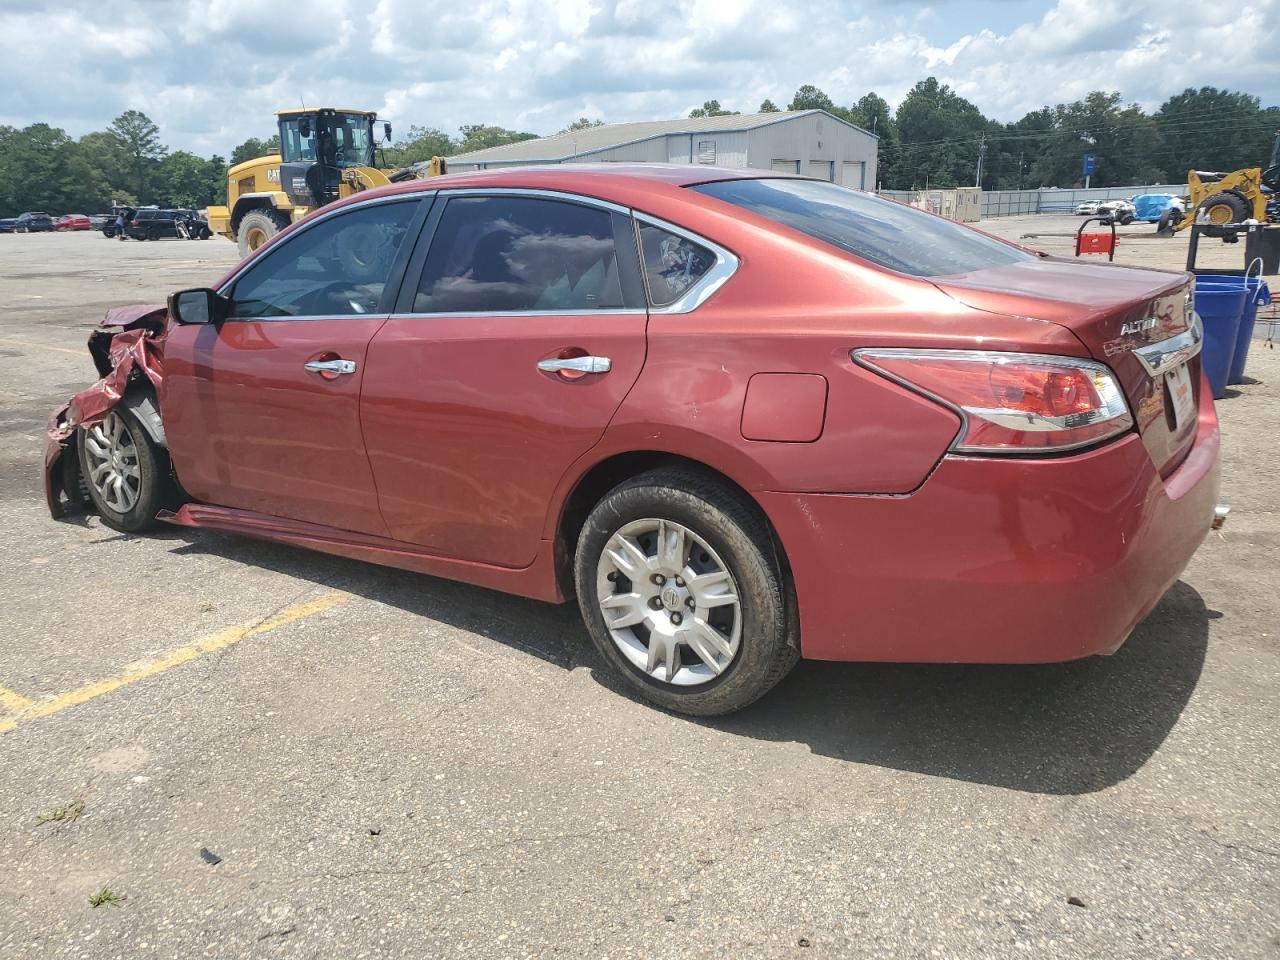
point(998, 560)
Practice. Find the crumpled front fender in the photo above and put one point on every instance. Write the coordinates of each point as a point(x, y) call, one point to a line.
point(127, 348)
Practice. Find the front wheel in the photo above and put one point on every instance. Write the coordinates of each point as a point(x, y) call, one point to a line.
point(682, 593)
point(125, 472)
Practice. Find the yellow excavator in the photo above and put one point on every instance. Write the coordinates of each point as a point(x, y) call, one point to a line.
point(1249, 194)
point(325, 153)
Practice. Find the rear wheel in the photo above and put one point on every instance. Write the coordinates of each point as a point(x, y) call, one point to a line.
point(256, 228)
point(1226, 207)
point(125, 472)
point(153, 233)
point(682, 593)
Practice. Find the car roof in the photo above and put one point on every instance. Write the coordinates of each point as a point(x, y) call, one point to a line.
point(584, 178)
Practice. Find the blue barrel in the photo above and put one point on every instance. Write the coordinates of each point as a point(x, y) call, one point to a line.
point(1220, 306)
point(1257, 294)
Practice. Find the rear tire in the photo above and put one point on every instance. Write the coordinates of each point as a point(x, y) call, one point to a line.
point(1226, 207)
point(256, 228)
point(125, 472)
point(704, 626)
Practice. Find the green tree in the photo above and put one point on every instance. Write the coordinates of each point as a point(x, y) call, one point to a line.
point(810, 97)
point(189, 181)
point(253, 148)
point(872, 113)
point(939, 132)
point(41, 168)
point(421, 143)
point(582, 123)
point(478, 136)
point(711, 108)
point(1124, 140)
point(1212, 129)
point(767, 106)
point(140, 140)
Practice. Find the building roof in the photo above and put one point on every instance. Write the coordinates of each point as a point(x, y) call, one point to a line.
point(575, 143)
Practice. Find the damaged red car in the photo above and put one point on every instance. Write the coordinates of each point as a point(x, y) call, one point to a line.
point(739, 418)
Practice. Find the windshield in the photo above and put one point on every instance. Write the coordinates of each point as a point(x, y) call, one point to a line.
point(347, 140)
point(352, 145)
point(888, 234)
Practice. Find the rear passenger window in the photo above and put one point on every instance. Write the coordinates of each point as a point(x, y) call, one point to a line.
point(503, 254)
point(672, 264)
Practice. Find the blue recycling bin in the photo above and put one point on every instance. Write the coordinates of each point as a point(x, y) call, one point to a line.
point(1257, 294)
point(1221, 306)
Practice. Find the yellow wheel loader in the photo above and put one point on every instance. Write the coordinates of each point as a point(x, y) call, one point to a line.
point(1218, 198)
point(325, 154)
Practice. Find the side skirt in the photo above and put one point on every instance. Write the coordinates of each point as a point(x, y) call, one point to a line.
point(537, 581)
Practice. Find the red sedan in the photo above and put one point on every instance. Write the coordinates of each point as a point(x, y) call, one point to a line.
point(741, 418)
point(72, 221)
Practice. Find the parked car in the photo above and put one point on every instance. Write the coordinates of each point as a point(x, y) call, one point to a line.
point(99, 220)
point(33, 223)
point(150, 224)
point(740, 418)
point(72, 221)
point(110, 230)
point(1088, 208)
point(8, 224)
point(1121, 211)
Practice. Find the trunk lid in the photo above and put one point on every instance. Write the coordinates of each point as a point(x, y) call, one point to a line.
point(1113, 311)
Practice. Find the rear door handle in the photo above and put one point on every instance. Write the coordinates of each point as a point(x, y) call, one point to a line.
point(331, 367)
point(576, 365)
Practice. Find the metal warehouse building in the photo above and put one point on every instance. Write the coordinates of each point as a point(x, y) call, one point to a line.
point(810, 142)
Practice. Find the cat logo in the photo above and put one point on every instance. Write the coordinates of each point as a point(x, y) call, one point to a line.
point(273, 175)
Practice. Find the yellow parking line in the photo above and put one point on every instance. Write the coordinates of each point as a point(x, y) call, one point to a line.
point(174, 658)
point(13, 702)
point(43, 346)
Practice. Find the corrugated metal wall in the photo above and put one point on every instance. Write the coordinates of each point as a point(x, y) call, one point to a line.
point(814, 145)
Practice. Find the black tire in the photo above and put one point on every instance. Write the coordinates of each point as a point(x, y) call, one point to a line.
point(1227, 200)
point(734, 529)
point(268, 222)
point(1167, 224)
point(154, 472)
point(1126, 219)
point(153, 233)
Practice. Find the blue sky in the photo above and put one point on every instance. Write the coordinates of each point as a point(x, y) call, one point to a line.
point(211, 72)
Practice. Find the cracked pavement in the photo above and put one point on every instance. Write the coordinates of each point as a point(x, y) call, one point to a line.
point(430, 769)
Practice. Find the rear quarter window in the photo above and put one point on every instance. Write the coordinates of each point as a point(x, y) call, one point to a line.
point(887, 234)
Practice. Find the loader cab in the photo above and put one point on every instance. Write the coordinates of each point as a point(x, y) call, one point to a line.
point(317, 145)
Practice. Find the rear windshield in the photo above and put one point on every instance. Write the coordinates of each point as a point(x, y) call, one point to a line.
point(888, 234)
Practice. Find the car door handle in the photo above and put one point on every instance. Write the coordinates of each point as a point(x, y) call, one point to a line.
point(332, 367)
point(576, 365)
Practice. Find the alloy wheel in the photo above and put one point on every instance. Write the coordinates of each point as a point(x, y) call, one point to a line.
point(113, 463)
point(669, 602)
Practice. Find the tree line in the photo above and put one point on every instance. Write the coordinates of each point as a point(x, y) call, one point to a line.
point(934, 138)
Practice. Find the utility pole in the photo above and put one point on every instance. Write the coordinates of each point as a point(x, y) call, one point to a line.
point(982, 149)
point(1020, 152)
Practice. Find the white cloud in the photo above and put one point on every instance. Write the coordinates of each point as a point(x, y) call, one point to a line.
point(211, 72)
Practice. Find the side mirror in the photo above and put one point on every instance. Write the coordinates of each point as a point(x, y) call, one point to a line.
point(386, 131)
point(304, 128)
point(200, 305)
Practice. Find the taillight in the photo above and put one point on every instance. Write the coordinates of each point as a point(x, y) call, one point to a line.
point(1012, 402)
point(133, 223)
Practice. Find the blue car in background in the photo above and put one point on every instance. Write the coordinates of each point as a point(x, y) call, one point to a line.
point(1148, 207)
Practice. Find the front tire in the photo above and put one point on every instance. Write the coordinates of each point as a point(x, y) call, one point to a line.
point(256, 228)
point(124, 470)
point(683, 594)
point(1226, 207)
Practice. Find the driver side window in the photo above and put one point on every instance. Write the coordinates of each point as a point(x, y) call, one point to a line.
point(339, 267)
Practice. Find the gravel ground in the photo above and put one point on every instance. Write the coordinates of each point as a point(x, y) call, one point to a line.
point(368, 763)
